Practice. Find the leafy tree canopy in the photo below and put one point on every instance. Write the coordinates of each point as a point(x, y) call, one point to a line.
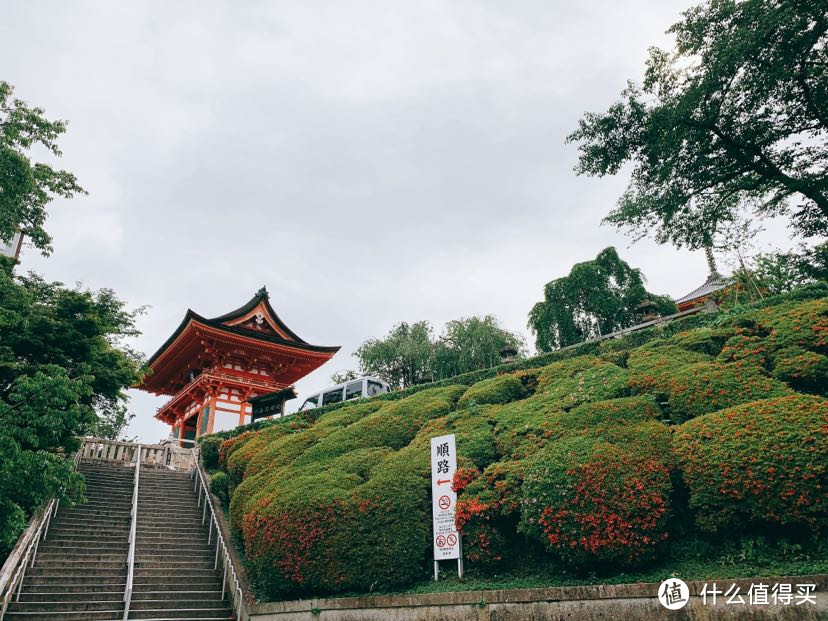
point(736, 116)
point(63, 371)
point(409, 354)
point(597, 297)
point(26, 187)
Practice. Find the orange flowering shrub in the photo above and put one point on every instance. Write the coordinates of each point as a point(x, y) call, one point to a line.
point(232, 444)
point(747, 349)
point(487, 510)
point(758, 463)
point(651, 367)
point(709, 386)
point(804, 370)
point(800, 324)
point(594, 503)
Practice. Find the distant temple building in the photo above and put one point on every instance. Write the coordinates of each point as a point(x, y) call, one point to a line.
point(13, 247)
point(211, 368)
point(701, 295)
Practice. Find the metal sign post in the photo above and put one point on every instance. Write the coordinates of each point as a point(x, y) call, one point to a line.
point(446, 539)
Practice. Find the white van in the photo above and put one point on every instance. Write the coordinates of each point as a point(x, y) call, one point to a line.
point(353, 389)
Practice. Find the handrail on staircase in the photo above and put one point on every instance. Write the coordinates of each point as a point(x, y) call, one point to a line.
point(24, 554)
point(132, 537)
point(200, 484)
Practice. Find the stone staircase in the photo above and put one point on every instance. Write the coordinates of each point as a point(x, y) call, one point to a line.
point(81, 567)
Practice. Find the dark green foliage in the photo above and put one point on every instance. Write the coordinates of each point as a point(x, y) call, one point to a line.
point(758, 463)
point(734, 117)
point(597, 297)
point(220, 487)
point(61, 364)
point(209, 449)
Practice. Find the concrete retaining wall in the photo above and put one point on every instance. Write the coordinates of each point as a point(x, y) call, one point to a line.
point(620, 602)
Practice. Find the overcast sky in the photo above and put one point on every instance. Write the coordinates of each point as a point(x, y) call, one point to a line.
point(369, 162)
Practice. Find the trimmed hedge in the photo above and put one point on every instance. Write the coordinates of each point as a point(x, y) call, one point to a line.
point(573, 456)
point(500, 389)
point(209, 451)
point(594, 503)
point(803, 370)
point(705, 387)
point(758, 463)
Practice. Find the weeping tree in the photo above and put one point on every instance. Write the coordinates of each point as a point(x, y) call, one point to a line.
point(597, 297)
point(734, 118)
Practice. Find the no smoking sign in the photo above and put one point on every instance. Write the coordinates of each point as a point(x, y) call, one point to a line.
point(444, 502)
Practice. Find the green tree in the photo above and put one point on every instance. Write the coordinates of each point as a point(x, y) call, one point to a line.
point(472, 343)
point(62, 362)
point(735, 117)
point(345, 375)
point(402, 358)
point(597, 297)
point(26, 187)
point(777, 272)
point(410, 355)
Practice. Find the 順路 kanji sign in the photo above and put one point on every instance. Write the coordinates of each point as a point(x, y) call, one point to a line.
point(446, 540)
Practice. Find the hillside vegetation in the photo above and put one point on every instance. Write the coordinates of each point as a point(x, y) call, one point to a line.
point(606, 458)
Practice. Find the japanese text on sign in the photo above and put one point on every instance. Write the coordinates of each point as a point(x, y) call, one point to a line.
point(446, 540)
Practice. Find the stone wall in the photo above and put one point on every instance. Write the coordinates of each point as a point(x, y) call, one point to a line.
point(618, 602)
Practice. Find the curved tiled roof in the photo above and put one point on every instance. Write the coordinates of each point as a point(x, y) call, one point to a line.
point(715, 282)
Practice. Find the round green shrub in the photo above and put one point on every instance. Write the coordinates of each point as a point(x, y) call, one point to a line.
point(209, 449)
point(239, 456)
point(593, 503)
point(709, 386)
point(758, 463)
point(703, 340)
point(586, 378)
point(800, 324)
point(220, 487)
point(745, 348)
point(651, 367)
point(500, 389)
point(803, 370)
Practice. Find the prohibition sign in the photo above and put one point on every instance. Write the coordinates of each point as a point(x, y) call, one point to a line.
point(441, 541)
point(444, 502)
point(452, 540)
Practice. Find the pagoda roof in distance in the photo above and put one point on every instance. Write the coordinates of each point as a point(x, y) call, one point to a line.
point(715, 282)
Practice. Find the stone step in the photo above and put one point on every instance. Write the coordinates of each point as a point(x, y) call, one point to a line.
point(72, 572)
point(67, 596)
point(84, 564)
point(61, 539)
point(194, 614)
point(114, 614)
point(81, 581)
point(174, 549)
point(167, 562)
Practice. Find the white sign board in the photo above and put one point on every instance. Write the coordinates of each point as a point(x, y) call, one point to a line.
point(443, 464)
